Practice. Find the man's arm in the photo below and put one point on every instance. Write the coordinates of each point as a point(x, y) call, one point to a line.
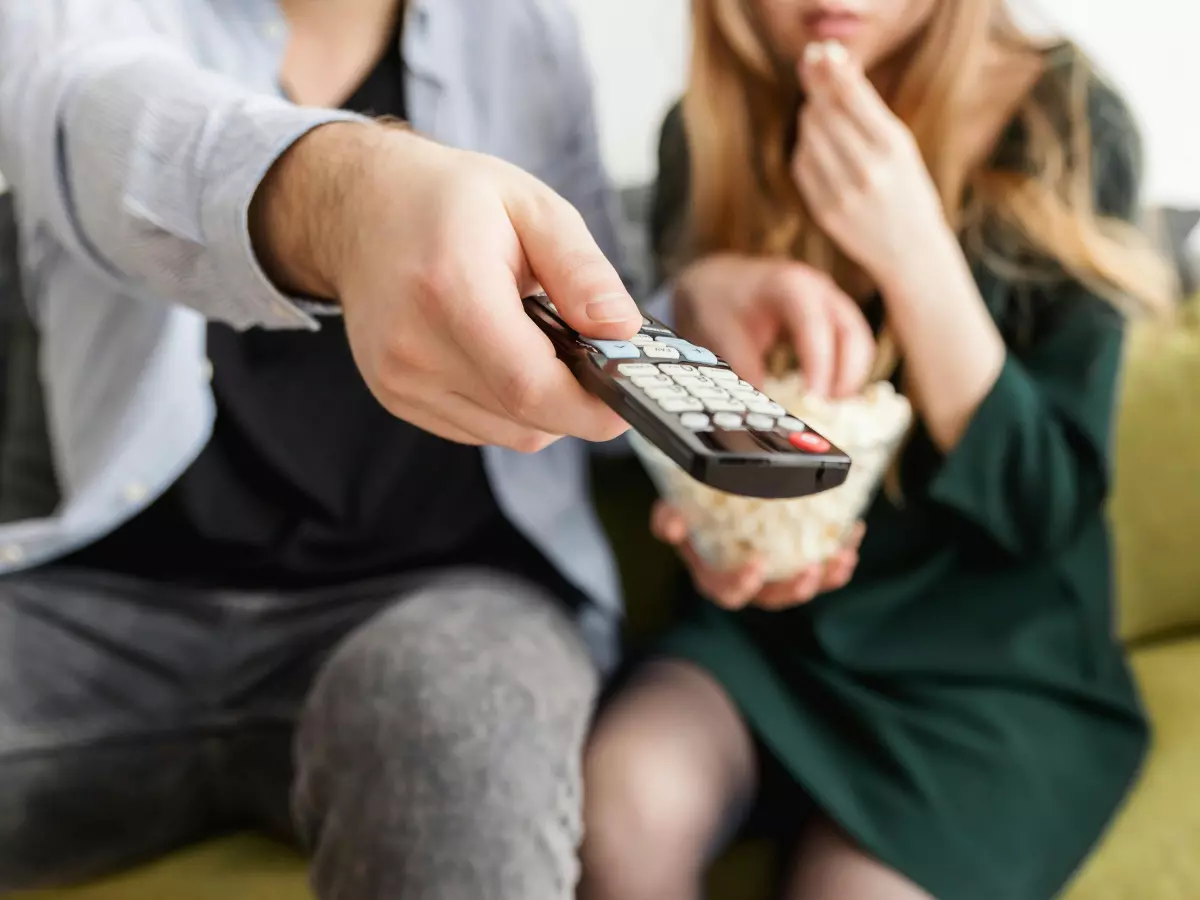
point(137, 160)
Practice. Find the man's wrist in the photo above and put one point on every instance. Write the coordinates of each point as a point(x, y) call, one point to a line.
point(298, 222)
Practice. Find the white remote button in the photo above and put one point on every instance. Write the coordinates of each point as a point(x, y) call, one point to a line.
point(662, 393)
point(717, 405)
point(791, 423)
point(641, 340)
point(766, 407)
point(681, 404)
point(738, 391)
point(747, 384)
point(673, 369)
point(694, 421)
point(660, 351)
point(632, 369)
point(759, 422)
point(721, 374)
point(703, 390)
point(694, 381)
point(649, 381)
point(727, 420)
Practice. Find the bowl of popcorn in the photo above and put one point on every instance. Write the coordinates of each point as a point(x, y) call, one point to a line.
point(790, 535)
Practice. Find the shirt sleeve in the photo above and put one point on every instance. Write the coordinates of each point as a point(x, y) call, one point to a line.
point(139, 163)
point(579, 173)
point(1033, 467)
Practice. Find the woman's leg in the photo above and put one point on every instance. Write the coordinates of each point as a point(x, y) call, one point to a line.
point(830, 866)
point(669, 770)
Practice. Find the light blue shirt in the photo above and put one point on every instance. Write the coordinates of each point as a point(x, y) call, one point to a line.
point(135, 133)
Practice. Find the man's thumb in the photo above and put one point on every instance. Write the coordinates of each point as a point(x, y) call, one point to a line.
point(566, 261)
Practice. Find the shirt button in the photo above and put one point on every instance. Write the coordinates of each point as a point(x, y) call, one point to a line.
point(206, 370)
point(135, 492)
point(276, 31)
point(12, 554)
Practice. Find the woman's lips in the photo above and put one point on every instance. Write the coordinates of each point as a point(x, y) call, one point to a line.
point(832, 25)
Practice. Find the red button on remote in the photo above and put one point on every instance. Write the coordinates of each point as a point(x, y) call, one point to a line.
point(809, 442)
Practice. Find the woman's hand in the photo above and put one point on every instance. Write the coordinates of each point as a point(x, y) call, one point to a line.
point(741, 307)
point(746, 587)
point(861, 171)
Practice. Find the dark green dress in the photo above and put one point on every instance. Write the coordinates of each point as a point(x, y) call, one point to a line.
point(962, 708)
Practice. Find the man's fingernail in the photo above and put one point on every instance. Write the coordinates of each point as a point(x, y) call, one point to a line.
point(610, 308)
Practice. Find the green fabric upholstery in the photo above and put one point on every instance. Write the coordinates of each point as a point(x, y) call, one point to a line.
point(1150, 852)
point(1156, 501)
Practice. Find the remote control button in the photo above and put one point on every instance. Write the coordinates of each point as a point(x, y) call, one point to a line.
point(674, 369)
point(616, 349)
point(659, 351)
point(722, 375)
point(641, 340)
point(746, 393)
point(766, 407)
point(704, 390)
point(716, 405)
point(747, 385)
point(694, 381)
point(662, 393)
point(649, 381)
point(759, 422)
point(690, 351)
point(791, 423)
point(632, 369)
point(809, 442)
point(681, 404)
point(694, 421)
point(727, 420)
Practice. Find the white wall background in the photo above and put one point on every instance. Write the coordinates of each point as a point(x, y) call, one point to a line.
point(1151, 48)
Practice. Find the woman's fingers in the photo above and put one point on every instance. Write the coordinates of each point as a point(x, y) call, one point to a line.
point(836, 78)
point(790, 592)
point(729, 590)
point(667, 524)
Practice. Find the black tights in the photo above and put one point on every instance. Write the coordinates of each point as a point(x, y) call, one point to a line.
point(670, 772)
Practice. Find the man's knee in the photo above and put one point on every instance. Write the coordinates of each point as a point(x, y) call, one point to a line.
point(467, 661)
point(439, 751)
point(458, 714)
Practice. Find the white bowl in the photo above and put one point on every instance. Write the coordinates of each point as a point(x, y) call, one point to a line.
point(789, 535)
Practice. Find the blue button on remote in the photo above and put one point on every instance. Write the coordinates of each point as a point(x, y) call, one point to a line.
point(616, 349)
point(690, 351)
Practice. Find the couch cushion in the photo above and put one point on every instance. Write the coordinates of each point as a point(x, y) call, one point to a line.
point(1150, 852)
point(1155, 509)
point(237, 868)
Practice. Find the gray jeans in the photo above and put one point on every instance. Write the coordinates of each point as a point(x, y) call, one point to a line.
point(420, 739)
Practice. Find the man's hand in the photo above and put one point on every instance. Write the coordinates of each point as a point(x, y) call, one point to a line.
point(741, 307)
point(429, 251)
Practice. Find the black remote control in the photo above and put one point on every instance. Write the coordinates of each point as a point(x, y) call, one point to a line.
point(692, 406)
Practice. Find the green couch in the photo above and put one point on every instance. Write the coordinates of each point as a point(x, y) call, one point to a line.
point(1150, 854)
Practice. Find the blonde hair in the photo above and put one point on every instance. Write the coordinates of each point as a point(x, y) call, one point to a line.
point(740, 114)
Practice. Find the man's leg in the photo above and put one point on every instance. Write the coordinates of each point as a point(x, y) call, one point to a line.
point(440, 749)
point(102, 758)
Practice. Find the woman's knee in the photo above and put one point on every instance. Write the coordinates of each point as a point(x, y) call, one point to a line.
point(670, 767)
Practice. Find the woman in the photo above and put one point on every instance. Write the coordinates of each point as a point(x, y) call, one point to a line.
point(953, 718)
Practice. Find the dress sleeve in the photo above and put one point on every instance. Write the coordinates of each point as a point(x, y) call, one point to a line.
point(1033, 467)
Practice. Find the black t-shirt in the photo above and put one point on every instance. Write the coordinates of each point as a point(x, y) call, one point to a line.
point(307, 480)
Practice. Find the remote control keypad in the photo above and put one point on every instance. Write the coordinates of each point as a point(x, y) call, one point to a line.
point(691, 382)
